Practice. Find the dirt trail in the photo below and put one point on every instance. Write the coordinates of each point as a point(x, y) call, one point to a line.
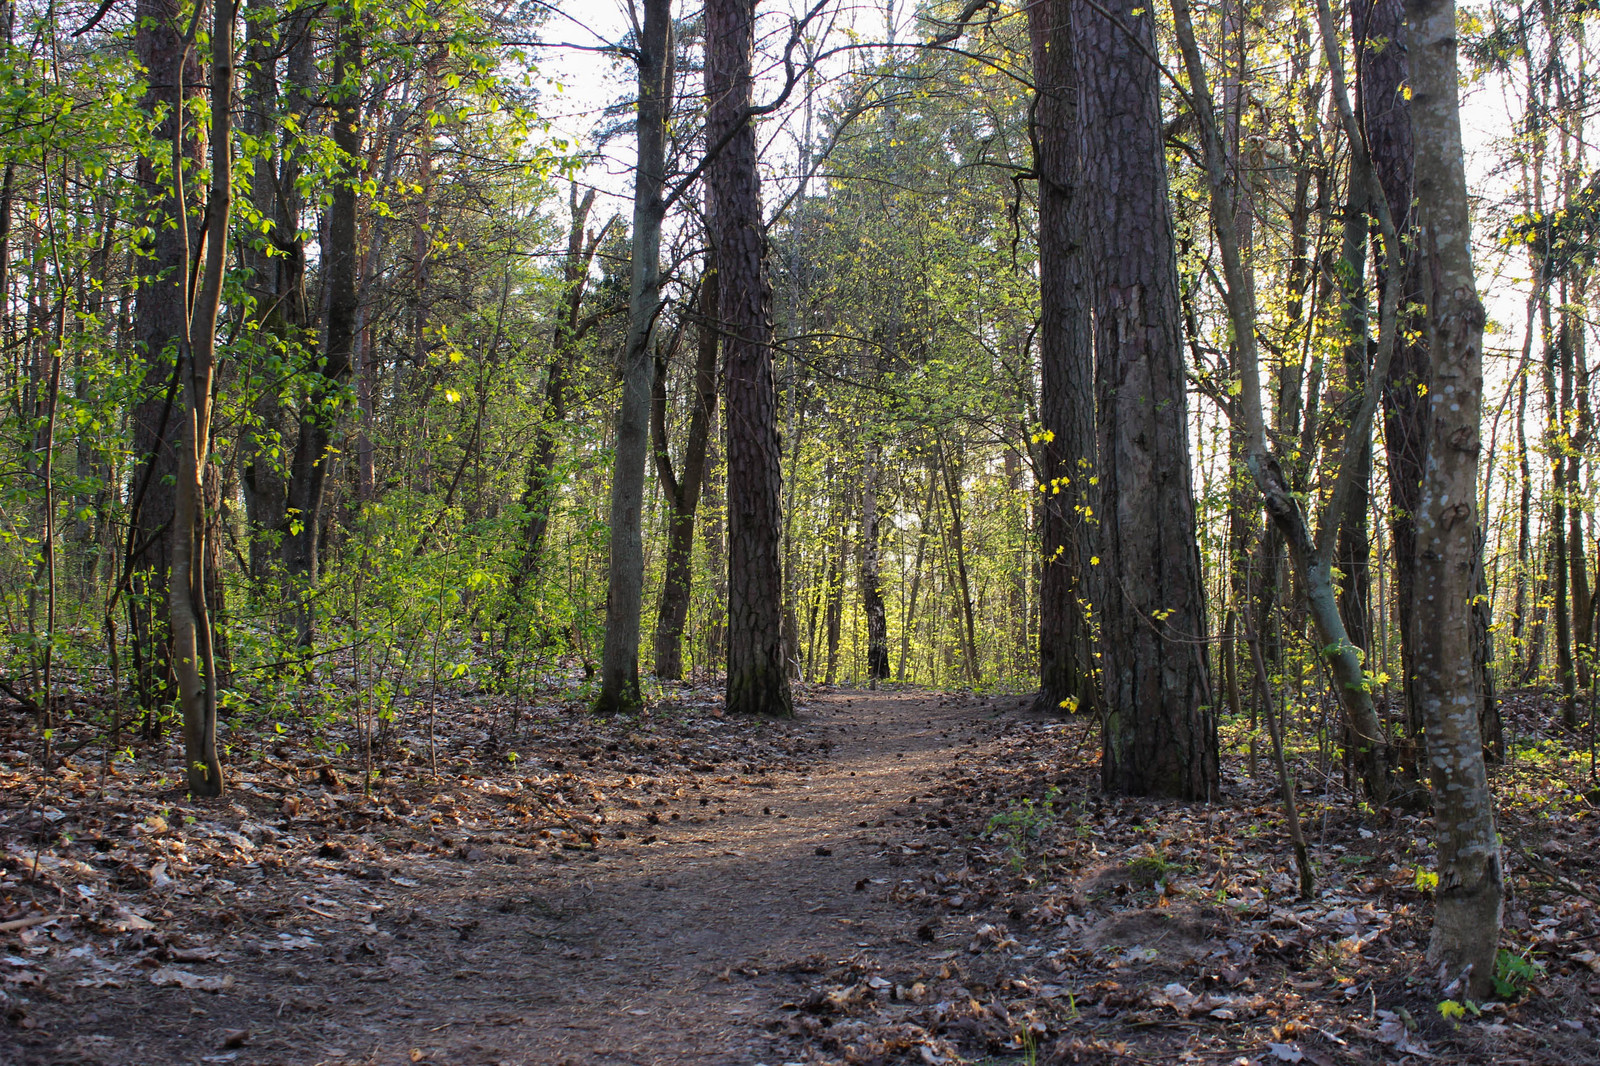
point(682, 950)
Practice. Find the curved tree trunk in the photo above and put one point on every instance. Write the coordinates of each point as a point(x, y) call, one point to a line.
point(193, 655)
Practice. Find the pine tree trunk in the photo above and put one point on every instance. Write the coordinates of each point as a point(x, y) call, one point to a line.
point(1066, 362)
point(1385, 115)
point(1160, 732)
point(758, 681)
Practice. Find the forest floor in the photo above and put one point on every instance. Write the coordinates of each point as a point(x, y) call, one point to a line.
point(892, 877)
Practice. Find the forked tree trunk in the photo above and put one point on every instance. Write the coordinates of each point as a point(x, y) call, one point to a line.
point(1160, 727)
point(682, 488)
point(758, 681)
point(1466, 925)
point(1313, 555)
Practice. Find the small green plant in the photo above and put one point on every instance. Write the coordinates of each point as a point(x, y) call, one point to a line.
point(1453, 1010)
point(1021, 823)
point(1514, 974)
point(1426, 880)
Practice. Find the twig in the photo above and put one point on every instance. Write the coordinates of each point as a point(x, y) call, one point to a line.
point(28, 923)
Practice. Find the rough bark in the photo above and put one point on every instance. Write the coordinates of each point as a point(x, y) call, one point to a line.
point(1384, 113)
point(758, 681)
point(1066, 362)
point(1160, 729)
point(619, 660)
point(1467, 910)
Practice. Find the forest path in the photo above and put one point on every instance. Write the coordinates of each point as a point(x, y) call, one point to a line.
point(684, 950)
point(678, 939)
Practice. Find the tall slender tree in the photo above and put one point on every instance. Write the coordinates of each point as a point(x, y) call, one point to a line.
point(758, 680)
point(160, 323)
point(619, 660)
point(1066, 450)
point(1466, 924)
point(314, 450)
point(682, 485)
point(193, 655)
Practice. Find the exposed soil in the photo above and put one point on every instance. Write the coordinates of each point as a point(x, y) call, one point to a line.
point(892, 877)
point(683, 949)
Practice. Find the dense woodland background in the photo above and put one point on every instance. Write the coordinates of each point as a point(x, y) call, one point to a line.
point(422, 302)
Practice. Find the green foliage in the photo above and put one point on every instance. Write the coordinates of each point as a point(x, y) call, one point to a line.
point(1514, 974)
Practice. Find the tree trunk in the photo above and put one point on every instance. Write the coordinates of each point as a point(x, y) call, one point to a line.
point(683, 491)
point(833, 611)
point(1160, 731)
point(539, 489)
point(956, 550)
point(1066, 357)
point(758, 681)
point(1384, 112)
point(314, 451)
point(276, 261)
point(193, 656)
point(1558, 357)
point(159, 325)
point(908, 624)
point(1466, 926)
point(871, 583)
point(619, 661)
point(1355, 544)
